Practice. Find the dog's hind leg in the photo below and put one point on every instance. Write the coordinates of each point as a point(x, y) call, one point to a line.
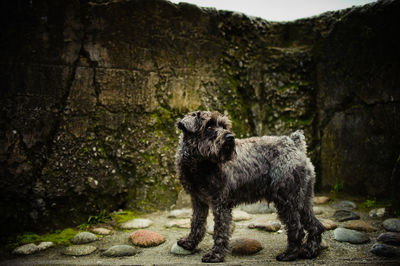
point(312, 247)
point(198, 225)
point(290, 216)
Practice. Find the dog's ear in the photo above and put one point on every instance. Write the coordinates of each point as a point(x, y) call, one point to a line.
point(189, 123)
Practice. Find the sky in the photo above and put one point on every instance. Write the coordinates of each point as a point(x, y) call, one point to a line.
point(278, 10)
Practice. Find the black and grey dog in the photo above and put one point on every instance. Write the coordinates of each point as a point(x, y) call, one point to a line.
point(219, 171)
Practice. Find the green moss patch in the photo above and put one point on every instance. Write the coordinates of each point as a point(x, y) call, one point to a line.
point(59, 237)
point(121, 217)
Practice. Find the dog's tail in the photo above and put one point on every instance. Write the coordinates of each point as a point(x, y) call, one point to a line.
point(299, 139)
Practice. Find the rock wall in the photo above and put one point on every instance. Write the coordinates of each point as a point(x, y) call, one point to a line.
point(90, 92)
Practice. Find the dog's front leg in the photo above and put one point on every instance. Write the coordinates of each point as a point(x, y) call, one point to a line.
point(222, 221)
point(198, 225)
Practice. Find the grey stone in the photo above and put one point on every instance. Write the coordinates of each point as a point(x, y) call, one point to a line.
point(345, 215)
point(178, 223)
point(320, 200)
point(101, 231)
point(351, 236)
point(345, 204)
point(328, 224)
point(45, 245)
point(180, 213)
point(318, 210)
point(390, 238)
point(258, 208)
point(377, 213)
point(120, 251)
point(79, 250)
point(178, 250)
point(384, 250)
point(136, 224)
point(84, 238)
point(392, 224)
point(26, 249)
point(238, 215)
point(265, 224)
point(324, 244)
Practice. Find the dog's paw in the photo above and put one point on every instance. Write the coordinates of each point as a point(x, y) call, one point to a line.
point(186, 244)
point(212, 257)
point(286, 256)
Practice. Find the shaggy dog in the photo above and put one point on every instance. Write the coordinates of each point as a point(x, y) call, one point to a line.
point(220, 172)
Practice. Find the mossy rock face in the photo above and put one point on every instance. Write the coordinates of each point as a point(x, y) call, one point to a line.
point(93, 92)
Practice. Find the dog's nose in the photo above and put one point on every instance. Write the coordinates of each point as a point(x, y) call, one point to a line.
point(229, 137)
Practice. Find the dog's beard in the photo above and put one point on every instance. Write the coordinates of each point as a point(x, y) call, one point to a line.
point(227, 152)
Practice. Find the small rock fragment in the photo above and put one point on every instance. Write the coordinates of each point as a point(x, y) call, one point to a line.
point(324, 244)
point(377, 213)
point(120, 251)
point(45, 245)
point(318, 210)
point(328, 224)
point(179, 223)
point(345, 215)
point(101, 231)
point(84, 238)
point(245, 246)
point(26, 249)
point(136, 224)
point(392, 224)
point(345, 205)
point(79, 250)
point(178, 250)
point(181, 213)
point(390, 238)
point(384, 250)
point(238, 215)
point(360, 226)
point(320, 200)
point(266, 225)
point(351, 236)
point(145, 238)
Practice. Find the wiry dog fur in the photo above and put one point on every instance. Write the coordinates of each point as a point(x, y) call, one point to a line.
point(219, 171)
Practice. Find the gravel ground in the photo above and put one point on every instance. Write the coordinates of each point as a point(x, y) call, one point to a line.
point(273, 243)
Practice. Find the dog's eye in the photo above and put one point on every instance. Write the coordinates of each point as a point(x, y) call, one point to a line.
point(209, 128)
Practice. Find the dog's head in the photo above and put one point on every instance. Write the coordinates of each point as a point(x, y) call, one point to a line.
point(211, 133)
